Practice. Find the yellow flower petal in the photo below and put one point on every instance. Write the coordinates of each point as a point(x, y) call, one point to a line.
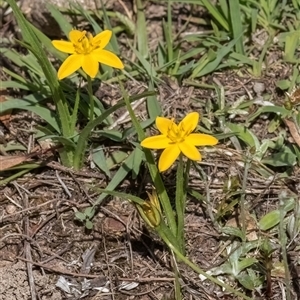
point(76, 35)
point(189, 123)
point(199, 139)
point(64, 46)
point(107, 58)
point(156, 142)
point(190, 151)
point(168, 157)
point(102, 38)
point(90, 66)
point(164, 124)
point(69, 66)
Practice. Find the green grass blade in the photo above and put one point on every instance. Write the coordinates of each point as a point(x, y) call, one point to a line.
point(216, 14)
point(65, 26)
point(236, 25)
point(141, 33)
point(47, 68)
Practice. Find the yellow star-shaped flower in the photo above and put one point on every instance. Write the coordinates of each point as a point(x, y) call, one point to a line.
point(86, 53)
point(176, 139)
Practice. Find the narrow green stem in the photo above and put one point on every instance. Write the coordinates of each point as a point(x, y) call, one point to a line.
point(180, 203)
point(283, 242)
point(154, 173)
point(178, 295)
point(91, 97)
point(164, 231)
point(243, 195)
point(161, 191)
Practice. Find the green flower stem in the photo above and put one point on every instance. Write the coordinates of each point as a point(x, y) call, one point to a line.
point(200, 271)
point(155, 175)
point(164, 231)
point(91, 97)
point(180, 203)
point(283, 243)
point(161, 192)
point(242, 199)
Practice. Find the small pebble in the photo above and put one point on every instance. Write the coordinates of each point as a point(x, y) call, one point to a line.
point(259, 87)
point(10, 209)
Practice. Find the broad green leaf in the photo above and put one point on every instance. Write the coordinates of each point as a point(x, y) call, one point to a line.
point(245, 280)
point(268, 109)
point(88, 224)
point(269, 220)
point(284, 158)
point(116, 158)
point(113, 135)
point(232, 231)
point(100, 160)
point(245, 263)
point(244, 134)
point(80, 216)
point(45, 114)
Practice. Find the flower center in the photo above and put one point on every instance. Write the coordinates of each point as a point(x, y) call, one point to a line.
point(176, 133)
point(84, 45)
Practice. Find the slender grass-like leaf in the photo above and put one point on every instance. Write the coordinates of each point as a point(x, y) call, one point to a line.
point(24, 169)
point(120, 175)
point(268, 109)
point(64, 25)
point(153, 106)
point(83, 136)
point(146, 65)
point(46, 114)
point(34, 45)
point(292, 42)
point(15, 85)
point(113, 41)
point(141, 33)
point(130, 27)
point(168, 33)
point(216, 14)
point(12, 55)
point(236, 25)
point(212, 65)
point(244, 134)
point(155, 175)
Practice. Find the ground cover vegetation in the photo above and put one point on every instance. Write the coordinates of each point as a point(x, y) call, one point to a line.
point(152, 149)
